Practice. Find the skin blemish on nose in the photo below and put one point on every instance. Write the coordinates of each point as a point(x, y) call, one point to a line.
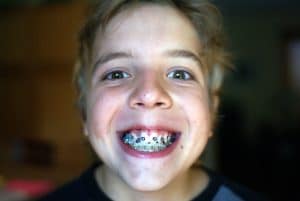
point(147, 96)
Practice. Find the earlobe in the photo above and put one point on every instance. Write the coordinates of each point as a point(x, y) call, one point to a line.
point(215, 82)
point(210, 134)
point(216, 78)
point(85, 130)
point(215, 103)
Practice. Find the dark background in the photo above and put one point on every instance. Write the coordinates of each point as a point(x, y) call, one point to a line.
point(258, 131)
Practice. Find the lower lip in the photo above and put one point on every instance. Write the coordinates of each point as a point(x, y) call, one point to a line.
point(141, 154)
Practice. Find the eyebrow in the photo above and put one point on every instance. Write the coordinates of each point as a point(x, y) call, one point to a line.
point(110, 56)
point(184, 54)
point(170, 53)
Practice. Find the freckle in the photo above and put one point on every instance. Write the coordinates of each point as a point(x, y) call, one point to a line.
point(181, 146)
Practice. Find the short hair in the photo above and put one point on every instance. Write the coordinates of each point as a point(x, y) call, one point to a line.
point(203, 15)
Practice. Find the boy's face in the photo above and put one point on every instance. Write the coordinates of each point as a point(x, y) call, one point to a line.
point(148, 114)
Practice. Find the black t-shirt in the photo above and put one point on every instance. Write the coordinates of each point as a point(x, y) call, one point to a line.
point(85, 188)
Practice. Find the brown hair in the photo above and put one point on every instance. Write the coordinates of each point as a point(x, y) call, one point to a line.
point(204, 16)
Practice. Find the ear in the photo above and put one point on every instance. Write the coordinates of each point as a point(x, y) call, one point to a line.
point(215, 103)
point(215, 82)
point(210, 134)
point(85, 130)
point(216, 77)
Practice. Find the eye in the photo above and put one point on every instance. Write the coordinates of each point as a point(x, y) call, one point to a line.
point(116, 75)
point(180, 75)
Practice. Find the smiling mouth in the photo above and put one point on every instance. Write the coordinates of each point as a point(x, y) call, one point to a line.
point(149, 141)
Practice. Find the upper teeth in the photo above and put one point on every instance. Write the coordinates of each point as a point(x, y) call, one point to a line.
point(149, 141)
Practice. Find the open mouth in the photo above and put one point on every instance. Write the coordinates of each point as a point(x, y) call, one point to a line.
point(149, 141)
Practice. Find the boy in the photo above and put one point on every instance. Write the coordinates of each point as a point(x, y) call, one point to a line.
point(148, 76)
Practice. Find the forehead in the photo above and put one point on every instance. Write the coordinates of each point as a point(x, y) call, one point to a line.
point(147, 28)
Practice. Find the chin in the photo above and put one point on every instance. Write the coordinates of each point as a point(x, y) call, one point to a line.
point(148, 186)
point(147, 182)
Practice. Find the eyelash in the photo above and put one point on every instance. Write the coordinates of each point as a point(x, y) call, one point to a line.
point(180, 75)
point(175, 74)
point(120, 75)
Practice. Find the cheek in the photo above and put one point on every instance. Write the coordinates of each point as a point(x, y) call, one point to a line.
point(199, 118)
point(201, 114)
point(102, 106)
point(196, 106)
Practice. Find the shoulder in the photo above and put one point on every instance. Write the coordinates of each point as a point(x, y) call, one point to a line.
point(69, 191)
point(83, 188)
point(221, 188)
point(237, 192)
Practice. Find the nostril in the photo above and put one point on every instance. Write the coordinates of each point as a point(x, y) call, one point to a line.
point(139, 104)
point(149, 98)
point(159, 104)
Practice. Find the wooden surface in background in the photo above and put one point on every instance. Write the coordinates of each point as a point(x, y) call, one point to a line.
point(40, 35)
point(37, 53)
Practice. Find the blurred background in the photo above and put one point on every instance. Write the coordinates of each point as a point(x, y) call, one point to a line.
point(256, 142)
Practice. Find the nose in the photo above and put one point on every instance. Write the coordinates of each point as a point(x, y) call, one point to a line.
point(150, 93)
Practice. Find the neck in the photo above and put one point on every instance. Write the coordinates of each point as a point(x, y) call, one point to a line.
point(184, 187)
